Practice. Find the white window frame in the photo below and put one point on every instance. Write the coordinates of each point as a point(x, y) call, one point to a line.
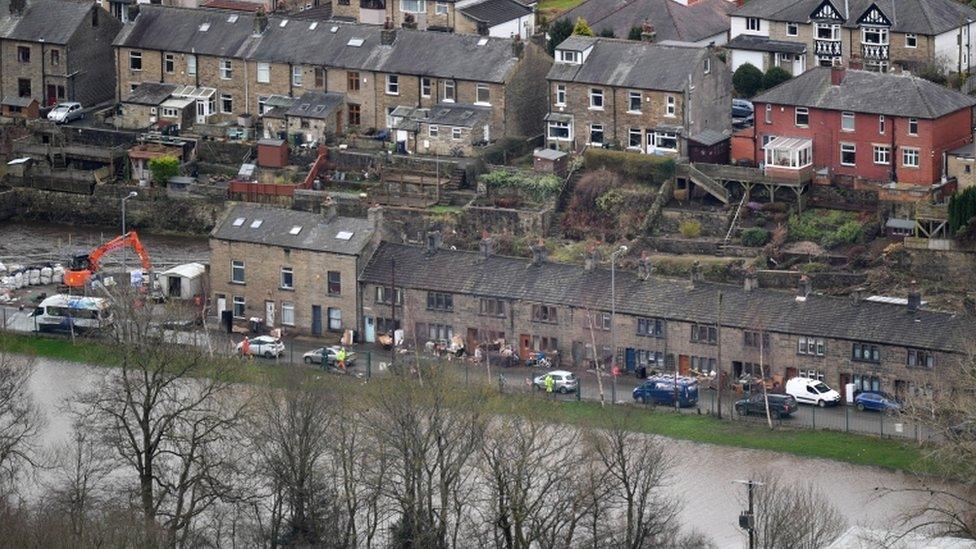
point(297, 76)
point(559, 125)
point(392, 84)
point(288, 313)
point(168, 58)
point(848, 147)
point(450, 85)
point(914, 152)
point(482, 88)
point(237, 265)
point(440, 8)
point(844, 117)
point(226, 97)
point(456, 134)
point(264, 72)
point(243, 303)
point(911, 40)
point(226, 69)
point(659, 137)
point(631, 96)
point(881, 32)
point(433, 130)
point(133, 57)
point(191, 64)
point(291, 273)
point(560, 95)
point(792, 27)
point(796, 116)
point(707, 65)
point(421, 6)
point(768, 114)
point(425, 86)
point(881, 124)
point(882, 155)
point(670, 106)
point(913, 122)
point(630, 138)
point(603, 134)
point(594, 94)
point(753, 24)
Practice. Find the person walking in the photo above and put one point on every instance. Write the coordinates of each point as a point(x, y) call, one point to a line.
point(341, 359)
point(246, 348)
point(550, 385)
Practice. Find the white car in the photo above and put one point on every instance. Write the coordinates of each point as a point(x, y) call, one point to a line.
point(812, 391)
point(265, 346)
point(65, 112)
point(315, 356)
point(562, 381)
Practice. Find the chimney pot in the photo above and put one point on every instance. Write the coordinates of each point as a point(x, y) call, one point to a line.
point(388, 34)
point(803, 288)
point(260, 21)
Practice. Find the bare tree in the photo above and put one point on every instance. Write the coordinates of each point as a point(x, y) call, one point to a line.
point(20, 420)
point(164, 413)
point(634, 506)
point(793, 515)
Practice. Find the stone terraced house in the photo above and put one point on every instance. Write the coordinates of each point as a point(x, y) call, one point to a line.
point(663, 324)
point(238, 62)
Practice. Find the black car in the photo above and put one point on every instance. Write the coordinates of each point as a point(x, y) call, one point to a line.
point(779, 405)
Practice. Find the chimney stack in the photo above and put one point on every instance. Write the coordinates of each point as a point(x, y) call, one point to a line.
point(751, 280)
point(433, 241)
point(388, 34)
point(329, 212)
point(694, 274)
point(539, 253)
point(591, 258)
point(375, 217)
point(836, 75)
point(803, 288)
point(856, 63)
point(969, 303)
point(260, 21)
point(518, 48)
point(914, 298)
point(647, 32)
point(644, 266)
point(487, 245)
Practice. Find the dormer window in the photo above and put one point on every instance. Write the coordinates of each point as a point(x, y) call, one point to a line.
point(565, 56)
point(874, 35)
point(752, 24)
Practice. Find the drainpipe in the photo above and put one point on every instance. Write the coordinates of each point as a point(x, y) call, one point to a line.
point(44, 78)
point(613, 95)
point(894, 150)
point(247, 94)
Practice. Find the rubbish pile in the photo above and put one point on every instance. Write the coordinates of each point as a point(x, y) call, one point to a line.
point(15, 277)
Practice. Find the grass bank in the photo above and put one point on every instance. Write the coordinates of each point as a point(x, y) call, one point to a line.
point(855, 449)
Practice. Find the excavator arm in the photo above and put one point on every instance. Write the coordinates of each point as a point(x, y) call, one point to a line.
point(83, 266)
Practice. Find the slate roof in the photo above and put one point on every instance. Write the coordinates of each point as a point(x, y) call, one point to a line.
point(629, 64)
point(570, 285)
point(50, 21)
point(436, 54)
point(762, 43)
point(927, 17)
point(276, 223)
point(460, 115)
point(868, 92)
point(496, 12)
point(150, 93)
point(316, 105)
point(671, 20)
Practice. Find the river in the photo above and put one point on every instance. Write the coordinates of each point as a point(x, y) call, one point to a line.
point(30, 242)
point(704, 476)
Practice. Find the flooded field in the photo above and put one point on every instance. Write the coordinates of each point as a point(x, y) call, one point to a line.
point(26, 243)
point(704, 476)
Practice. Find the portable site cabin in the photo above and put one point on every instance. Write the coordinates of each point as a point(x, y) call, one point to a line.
point(183, 281)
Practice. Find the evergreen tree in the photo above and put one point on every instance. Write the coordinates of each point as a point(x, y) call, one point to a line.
point(560, 30)
point(747, 80)
point(774, 77)
point(582, 28)
point(636, 31)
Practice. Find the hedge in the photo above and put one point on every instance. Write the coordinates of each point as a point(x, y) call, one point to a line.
point(755, 237)
point(649, 168)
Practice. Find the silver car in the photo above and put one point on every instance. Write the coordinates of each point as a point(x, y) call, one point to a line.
point(65, 112)
point(562, 381)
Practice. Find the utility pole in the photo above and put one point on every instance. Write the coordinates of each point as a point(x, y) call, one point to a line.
point(718, 360)
point(747, 519)
point(393, 312)
point(613, 318)
point(762, 374)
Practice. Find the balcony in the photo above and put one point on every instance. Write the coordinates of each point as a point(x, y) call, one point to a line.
point(829, 48)
point(876, 52)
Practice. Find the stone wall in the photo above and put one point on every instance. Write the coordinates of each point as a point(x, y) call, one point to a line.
point(712, 223)
point(152, 210)
point(790, 279)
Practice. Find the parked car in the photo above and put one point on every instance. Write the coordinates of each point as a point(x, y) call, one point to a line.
point(65, 112)
point(781, 406)
point(315, 356)
point(661, 390)
point(881, 402)
point(812, 391)
point(563, 381)
point(265, 346)
point(742, 108)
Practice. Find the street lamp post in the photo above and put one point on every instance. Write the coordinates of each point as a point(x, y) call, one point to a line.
point(125, 271)
point(613, 316)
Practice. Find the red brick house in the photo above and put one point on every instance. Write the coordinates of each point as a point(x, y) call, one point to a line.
point(857, 126)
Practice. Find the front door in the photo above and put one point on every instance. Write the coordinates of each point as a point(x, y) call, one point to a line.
point(316, 320)
point(201, 112)
point(525, 346)
point(630, 359)
point(790, 373)
point(684, 364)
point(51, 97)
point(369, 326)
point(473, 340)
point(269, 313)
point(844, 380)
point(221, 305)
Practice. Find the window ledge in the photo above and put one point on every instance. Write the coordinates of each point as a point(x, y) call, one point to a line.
point(284, 289)
point(235, 283)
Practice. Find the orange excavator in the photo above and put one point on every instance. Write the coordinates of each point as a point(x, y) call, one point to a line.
point(83, 266)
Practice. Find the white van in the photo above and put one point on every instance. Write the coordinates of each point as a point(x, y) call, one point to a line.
point(812, 391)
point(65, 312)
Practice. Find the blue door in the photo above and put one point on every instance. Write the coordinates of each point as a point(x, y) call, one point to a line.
point(630, 359)
point(370, 330)
point(316, 320)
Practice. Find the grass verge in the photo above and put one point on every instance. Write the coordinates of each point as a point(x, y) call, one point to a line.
point(850, 448)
